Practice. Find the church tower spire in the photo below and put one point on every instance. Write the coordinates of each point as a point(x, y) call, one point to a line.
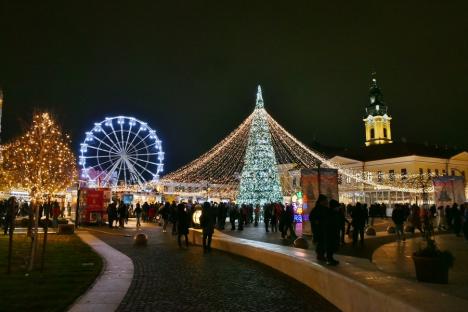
point(377, 122)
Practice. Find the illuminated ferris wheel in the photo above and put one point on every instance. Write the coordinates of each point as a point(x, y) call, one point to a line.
point(121, 151)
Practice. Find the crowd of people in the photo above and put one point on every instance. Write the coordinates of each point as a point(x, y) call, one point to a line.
point(409, 218)
point(12, 208)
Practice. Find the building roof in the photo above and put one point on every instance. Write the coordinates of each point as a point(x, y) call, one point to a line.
point(393, 150)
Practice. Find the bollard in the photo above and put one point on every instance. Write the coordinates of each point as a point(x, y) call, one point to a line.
point(301, 242)
point(140, 239)
point(370, 231)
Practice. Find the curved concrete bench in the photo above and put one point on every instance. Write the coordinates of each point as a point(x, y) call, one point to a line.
point(354, 285)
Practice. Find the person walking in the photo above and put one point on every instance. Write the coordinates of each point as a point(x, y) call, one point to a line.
point(358, 216)
point(182, 224)
point(165, 215)
point(332, 231)
point(10, 215)
point(138, 212)
point(398, 217)
point(257, 215)
point(317, 223)
point(207, 222)
point(465, 223)
point(456, 219)
point(173, 217)
point(233, 212)
point(267, 214)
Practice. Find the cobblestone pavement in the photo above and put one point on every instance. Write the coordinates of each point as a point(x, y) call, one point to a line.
point(171, 279)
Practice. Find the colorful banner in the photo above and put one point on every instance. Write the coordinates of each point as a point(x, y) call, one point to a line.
point(449, 190)
point(310, 190)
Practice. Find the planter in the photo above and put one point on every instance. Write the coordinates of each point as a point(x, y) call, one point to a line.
point(431, 270)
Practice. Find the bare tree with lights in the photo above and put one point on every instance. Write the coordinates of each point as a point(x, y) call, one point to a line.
point(41, 162)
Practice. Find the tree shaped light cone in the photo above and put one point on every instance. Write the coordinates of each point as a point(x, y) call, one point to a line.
point(260, 183)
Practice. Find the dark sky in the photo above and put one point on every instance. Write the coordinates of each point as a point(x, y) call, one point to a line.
point(190, 68)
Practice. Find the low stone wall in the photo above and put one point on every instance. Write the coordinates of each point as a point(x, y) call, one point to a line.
point(345, 286)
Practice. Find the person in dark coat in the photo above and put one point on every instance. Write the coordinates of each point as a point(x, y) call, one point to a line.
point(112, 214)
point(457, 219)
point(165, 215)
point(10, 216)
point(332, 231)
point(173, 217)
point(207, 222)
point(398, 217)
point(267, 214)
point(138, 211)
point(317, 223)
point(182, 224)
point(359, 217)
point(233, 213)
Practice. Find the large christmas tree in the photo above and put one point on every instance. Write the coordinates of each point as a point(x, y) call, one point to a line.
point(260, 181)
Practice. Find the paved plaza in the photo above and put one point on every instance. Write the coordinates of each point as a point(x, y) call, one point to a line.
point(167, 278)
point(395, 258)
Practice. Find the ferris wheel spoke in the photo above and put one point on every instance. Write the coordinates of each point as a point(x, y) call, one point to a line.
point(115, 135)
point(146, 161)
point(146, 154)
point(138, 175)
point(124, 165)
point(109, 174)
point(144, 168)
point(146, 146)
point(122, 142)
point(105, 162)
point(99, 149)
point(98, 156)
point(136, 136)
point(115, 143)
point(105, 171)
point(102, 142)
point(128, 136)
point(120, 171)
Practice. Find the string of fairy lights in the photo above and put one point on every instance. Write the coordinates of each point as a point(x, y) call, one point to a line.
point(223, 164)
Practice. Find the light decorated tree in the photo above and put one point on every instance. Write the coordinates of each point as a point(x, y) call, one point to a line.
point(260, 182)
point(40, 162)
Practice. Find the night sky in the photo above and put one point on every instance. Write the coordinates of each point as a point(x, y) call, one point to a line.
point(190, 68)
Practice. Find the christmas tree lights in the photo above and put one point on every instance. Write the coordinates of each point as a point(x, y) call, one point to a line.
point(260, 181)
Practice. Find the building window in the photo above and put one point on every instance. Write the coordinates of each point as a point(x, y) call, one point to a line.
point(340, 178)
point(429, 172)
point(294, 182)
point(372, 133)
point(421, 171)
point(391, 175)
point(403, 174)
point(443, 172)
point(453, 172)
point(385, 132)
point(379, 176)
point(437, 172)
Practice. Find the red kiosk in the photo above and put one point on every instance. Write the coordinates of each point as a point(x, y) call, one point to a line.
point(93, 204)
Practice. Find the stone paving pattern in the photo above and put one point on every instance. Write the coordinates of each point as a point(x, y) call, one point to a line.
point(167, 278)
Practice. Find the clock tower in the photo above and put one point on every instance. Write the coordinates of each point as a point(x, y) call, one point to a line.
point(377, 122)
